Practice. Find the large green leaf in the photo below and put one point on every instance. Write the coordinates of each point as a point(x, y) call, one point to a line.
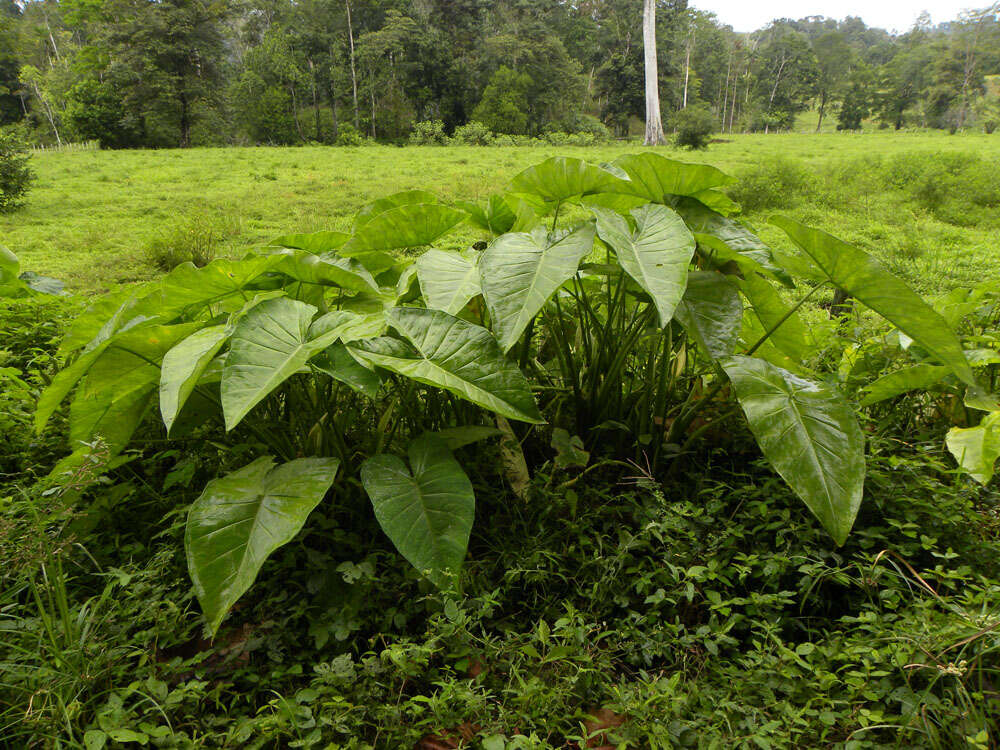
point(411, 225)
point(187, 289)
point(791, 336)
point(497, 217)
point(444, 351)
point(711, 312)
point(858, 274)
point(241, 518)
point(561, 177)
point(340, 364)
point(914, 377)
point(184, 365)
point(381, 205)
point(327, 270)
point(428, 510)
point(660, 179)
point(656, 254)
point(977, 448)
point(520, 271)
point(448, 280)
point(273, 341)
point(316, 242)
point(809, 434)
point(120, 384)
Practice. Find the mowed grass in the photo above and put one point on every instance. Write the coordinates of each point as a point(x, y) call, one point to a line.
point(94, 219)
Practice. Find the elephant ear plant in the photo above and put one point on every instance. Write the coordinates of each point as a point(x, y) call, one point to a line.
point(618, 303)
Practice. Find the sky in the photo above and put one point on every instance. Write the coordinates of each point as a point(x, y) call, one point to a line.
point(899, 15)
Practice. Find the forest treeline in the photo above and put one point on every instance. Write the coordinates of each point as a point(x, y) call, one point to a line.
point(164, 73)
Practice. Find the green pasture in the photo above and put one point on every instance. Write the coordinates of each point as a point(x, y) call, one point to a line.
point(97, 218)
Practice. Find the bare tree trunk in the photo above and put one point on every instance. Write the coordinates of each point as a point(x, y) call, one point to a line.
point(822, 106)
point(354, 73)
point(654, 125)
point(312, 76)
point(48, 111)
point(687, 75)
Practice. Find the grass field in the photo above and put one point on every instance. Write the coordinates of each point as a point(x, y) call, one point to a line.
point(95, 218)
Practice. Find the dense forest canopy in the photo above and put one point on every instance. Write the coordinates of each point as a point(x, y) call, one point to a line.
point(163, 73)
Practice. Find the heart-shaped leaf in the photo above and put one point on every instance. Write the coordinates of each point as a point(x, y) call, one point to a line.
point(427, 510)
point(520, 271)
point(711, 312)
point(659, 179)
point(184, 365)
point(269, 344)
point(410, 225)
point(809, 434)
point(561, 177)
point(656, 254)
point(241, 518)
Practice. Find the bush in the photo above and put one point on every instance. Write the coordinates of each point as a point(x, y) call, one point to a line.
point(990, 125)
point(694, 126)
point(428, 133)
point(581, 124)
point(472, 134)
point(196, 240)
point(15, 174)
point(348, 135)
point(777, 183)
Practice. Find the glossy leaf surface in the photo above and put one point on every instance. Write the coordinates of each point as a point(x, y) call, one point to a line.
point(120, 384)
point(520, 271)
point(562, 177)
point(447, 352)
point(427, 510)
point(656, 254)
point(241, 518)
point(183, 366)
point(271, 343)
point(809, 434)
point(711, 312)
point(659, 179)
point(411, 225)
point(448, 280)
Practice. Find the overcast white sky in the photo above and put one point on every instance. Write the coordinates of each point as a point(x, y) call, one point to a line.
point(899, 15)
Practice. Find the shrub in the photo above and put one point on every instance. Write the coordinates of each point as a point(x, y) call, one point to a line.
point(579, 123)
point(472, 134)
point(195, 240)
point(348, 135)
point(15, 174)
point(428, 133)
point(779, 182)
point(990, 125)
point(694, 126)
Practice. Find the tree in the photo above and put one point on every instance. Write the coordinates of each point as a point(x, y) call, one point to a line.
point(504, 106)
point(833, 60)
point(858, 98)
point(654, 125)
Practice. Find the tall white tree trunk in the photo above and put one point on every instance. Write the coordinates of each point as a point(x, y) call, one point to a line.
point(354, 73)
point(654, 126)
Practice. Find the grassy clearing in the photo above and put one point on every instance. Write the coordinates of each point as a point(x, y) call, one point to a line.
point(100, 218)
